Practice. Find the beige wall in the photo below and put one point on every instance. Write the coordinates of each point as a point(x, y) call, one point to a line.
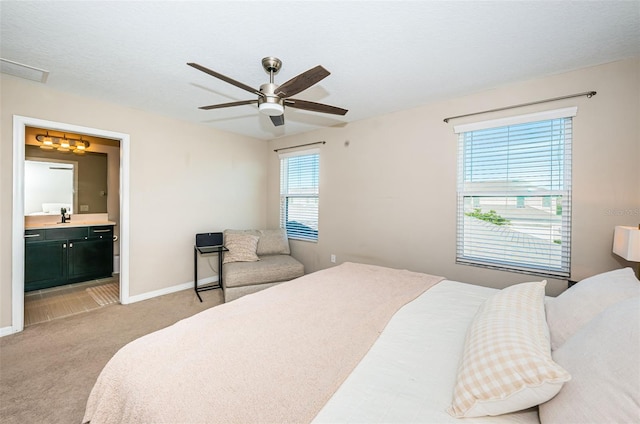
point(185, 178)
point(389, 197)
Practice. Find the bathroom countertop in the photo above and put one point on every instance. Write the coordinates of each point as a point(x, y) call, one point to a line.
point(40, 226)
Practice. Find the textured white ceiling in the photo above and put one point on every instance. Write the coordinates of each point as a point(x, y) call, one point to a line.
point(383, 56)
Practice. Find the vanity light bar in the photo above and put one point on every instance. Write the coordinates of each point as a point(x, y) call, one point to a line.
point(62, 144)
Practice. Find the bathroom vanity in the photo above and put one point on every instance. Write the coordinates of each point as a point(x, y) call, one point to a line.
point(58, 254)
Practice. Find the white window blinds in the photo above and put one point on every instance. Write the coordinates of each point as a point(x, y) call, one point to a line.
point(299, 183)
point(514, 194)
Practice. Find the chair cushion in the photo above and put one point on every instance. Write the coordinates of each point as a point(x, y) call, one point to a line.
point(268, 269)
point(273, 242)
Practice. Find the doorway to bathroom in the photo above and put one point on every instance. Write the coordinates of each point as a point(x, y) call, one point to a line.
point(20, 128)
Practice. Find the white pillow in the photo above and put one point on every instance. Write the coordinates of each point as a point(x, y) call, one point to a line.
point(576, 306)
point(603, 358)
point(506, 364)
point(242, 247)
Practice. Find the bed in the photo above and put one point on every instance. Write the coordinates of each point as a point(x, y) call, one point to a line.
point(361, 343)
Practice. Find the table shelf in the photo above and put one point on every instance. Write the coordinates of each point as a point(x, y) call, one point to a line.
point(204, 250)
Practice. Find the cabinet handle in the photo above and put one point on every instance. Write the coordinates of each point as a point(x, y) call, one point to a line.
point(31, 235)
point(64, 245)
point(70, 245)
point(101, 231)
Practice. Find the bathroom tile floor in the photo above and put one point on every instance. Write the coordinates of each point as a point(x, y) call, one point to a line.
point(57, 302)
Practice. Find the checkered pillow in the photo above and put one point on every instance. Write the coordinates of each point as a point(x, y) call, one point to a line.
point(506, 364)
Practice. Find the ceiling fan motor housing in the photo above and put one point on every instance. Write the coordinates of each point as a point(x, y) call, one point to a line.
point(269, 103)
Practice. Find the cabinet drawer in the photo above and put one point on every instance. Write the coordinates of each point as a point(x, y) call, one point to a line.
point(33, 235)
point(66, 233)
point(103, 232)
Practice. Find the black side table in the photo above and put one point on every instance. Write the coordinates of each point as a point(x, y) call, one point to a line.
point(219, 250)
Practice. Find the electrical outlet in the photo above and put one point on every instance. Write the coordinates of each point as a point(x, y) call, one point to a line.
point(84, 208)
point(333, 259)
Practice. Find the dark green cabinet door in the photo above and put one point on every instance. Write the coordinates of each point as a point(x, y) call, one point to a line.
point(89, 259)
point(45, 264)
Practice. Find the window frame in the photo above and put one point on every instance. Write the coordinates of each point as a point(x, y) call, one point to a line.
point(467, 243)
point(286, 195)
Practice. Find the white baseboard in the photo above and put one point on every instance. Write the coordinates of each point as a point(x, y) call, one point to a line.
point(172, 289)
point(5, 331)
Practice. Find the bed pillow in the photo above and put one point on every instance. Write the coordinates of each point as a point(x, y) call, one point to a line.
point(506, 364)
point(242, 247)
point(273, 242)
point(576, 306)
point(602, 358)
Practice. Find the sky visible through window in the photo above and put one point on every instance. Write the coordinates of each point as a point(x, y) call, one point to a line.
point(531, 153)
point(302, 174)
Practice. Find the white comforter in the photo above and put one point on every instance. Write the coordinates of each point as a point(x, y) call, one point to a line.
point(409, 374)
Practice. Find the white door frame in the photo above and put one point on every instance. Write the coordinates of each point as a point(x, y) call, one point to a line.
point(17, 239)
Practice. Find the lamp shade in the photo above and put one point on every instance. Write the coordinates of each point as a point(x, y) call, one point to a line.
point(626, 243)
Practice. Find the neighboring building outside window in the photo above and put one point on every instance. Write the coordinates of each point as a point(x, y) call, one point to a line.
point(514, 193)
point(299, 192)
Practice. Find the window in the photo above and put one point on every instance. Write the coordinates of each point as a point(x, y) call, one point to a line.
point(514, 193)
point(299, 181)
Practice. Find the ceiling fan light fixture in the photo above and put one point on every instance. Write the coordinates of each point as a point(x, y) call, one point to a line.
point(271, 97)
point(271, 109)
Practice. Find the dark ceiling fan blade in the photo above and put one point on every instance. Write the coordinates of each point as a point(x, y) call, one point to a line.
point(225, 78)
point(240, 103)
point(302, 82)
point(316, 107)
point(277, 120)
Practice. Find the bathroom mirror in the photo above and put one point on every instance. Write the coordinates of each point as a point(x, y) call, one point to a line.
point(54, 180)
point(50, 186)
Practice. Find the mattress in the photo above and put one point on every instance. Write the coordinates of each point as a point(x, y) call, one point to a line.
point(409, 374)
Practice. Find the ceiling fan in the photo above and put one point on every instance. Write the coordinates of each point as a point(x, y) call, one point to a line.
point(273, 98)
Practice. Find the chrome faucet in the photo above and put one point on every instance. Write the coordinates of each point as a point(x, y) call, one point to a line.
point(65, 219)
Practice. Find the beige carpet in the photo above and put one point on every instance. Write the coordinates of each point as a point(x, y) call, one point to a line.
point(105, 294)
point(48, 370)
